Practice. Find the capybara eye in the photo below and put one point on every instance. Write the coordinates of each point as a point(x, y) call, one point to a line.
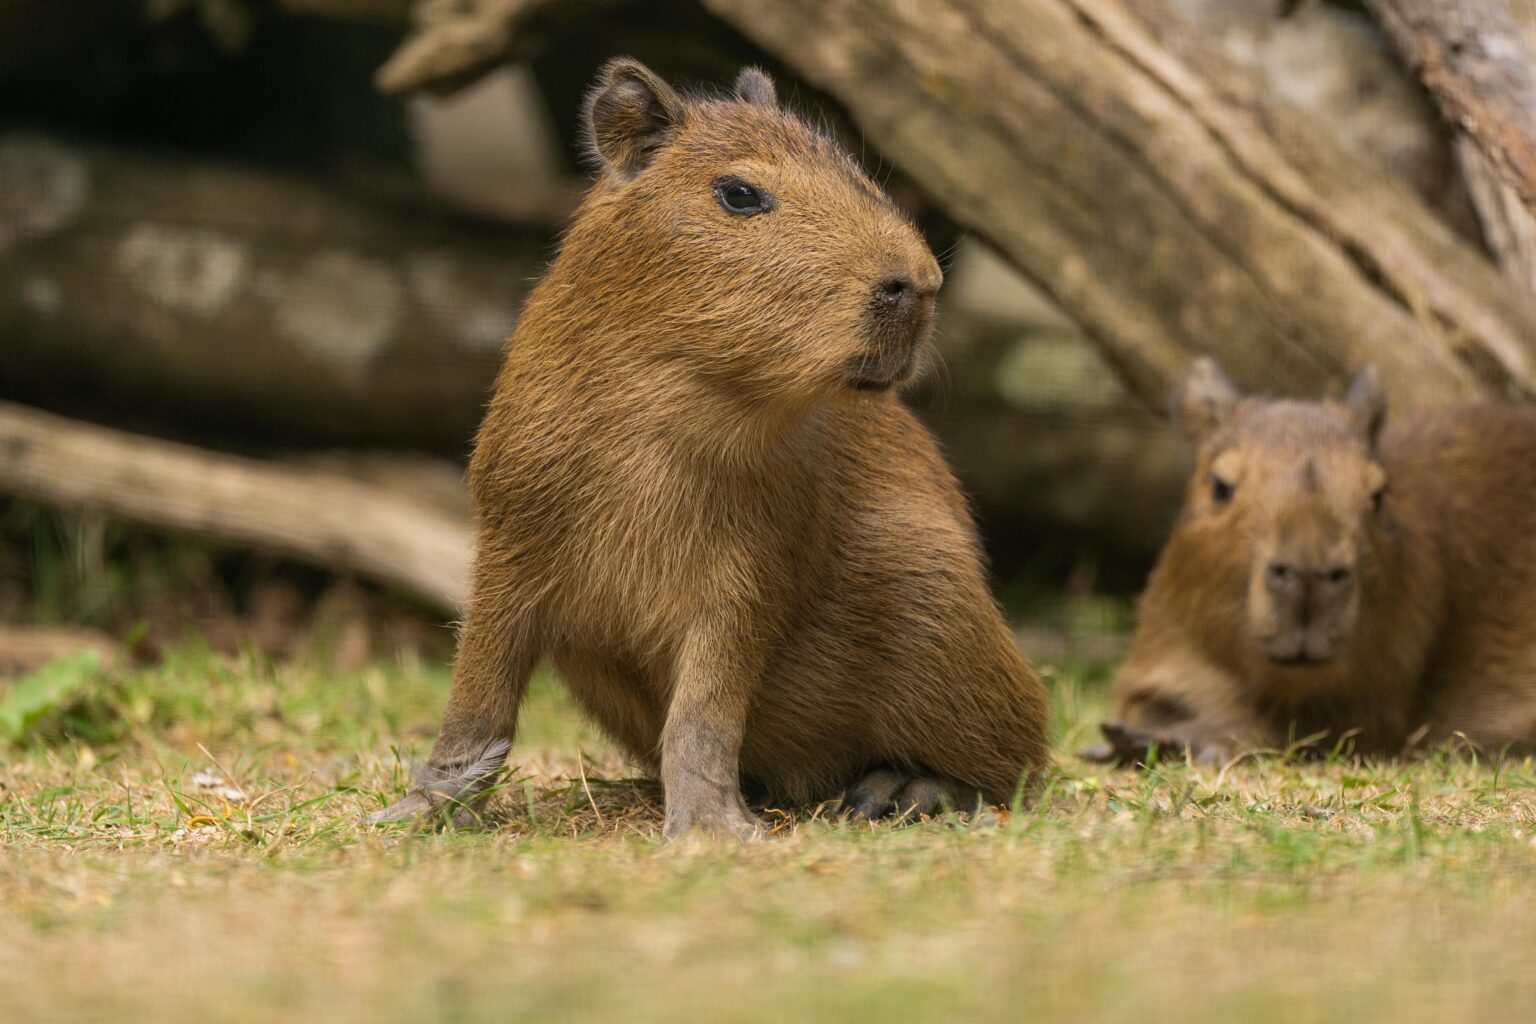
point(741, 198)
point(1221, 491)
point(1376, 498)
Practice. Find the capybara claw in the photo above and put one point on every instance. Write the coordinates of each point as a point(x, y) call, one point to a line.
point(873, 796)
point(862, 808)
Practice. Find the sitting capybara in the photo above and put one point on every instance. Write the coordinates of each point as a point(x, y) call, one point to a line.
point(699, 496)
point(1333, 581)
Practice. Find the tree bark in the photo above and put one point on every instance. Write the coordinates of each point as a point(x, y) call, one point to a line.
point(1479, 65)
point(171, 293)
point(454, 41)
point(1508, 223)
point(1159, 197)
point(318, 517)
point(25, 649)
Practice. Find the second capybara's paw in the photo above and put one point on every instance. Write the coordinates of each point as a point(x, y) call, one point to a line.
point(1128, 745)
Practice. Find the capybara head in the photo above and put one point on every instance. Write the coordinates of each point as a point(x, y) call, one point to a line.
point(1287, 499)
point(765, 254)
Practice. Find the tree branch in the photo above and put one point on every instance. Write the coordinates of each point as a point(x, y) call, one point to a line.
point(317, 517)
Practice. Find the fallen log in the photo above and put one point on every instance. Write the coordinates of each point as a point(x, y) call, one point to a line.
point(25, 649)
point(170, 292)
point(318, 517)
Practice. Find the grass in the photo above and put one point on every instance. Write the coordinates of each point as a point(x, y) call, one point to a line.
point(179, 845)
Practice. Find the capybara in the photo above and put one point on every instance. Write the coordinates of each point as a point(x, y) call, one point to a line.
point(1336, 584)
point(699, 495)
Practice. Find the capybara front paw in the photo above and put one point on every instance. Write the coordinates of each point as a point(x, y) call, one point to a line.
point(417, 807)
point(459, 784)
point(715, 819)
point(1129, 745)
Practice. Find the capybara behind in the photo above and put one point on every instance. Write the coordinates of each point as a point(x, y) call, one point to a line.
point(1331, 580)
point(698, 494)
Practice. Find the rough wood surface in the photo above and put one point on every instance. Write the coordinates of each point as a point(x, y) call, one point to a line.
point(24, 649)
point(1479, 65)
point(1159, 197)
point(314, 516)
point(1509, 225)
point(454, 41)
point(185, 295)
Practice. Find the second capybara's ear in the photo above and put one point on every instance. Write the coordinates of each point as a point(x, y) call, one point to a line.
point(629, 114)
point(754, 86)
point(1366, 401)
point(1205, 401)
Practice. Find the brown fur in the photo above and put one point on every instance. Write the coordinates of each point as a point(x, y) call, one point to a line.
point(1417, 543)
point(743, 565)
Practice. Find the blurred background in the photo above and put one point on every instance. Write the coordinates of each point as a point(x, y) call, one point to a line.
point(258, 259)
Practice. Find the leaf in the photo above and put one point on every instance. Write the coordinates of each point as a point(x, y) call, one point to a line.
point(46, 691)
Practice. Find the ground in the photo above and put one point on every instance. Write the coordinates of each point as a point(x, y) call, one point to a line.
point(180, 843)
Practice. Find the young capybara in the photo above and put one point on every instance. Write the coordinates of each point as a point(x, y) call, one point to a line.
point(699, 496)
point(1328, 580)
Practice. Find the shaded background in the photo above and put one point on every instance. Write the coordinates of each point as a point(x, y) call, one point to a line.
point(221, 225)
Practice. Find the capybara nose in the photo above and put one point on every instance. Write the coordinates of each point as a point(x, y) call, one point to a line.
point(895, 291)
point(1284, 577)
point(1281, 577)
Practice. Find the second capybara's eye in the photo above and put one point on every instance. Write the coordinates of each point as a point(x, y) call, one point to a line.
point(1221, 491)
point(1377, 496)
point(741, 198)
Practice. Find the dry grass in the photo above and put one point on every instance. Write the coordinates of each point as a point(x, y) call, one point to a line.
point(144, 878)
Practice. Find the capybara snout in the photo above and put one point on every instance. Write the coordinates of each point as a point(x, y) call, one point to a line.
point(1303, 602)
point(897, 326)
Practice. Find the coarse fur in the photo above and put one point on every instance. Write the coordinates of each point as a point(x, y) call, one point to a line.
point(1329, 579)
point(699, 495)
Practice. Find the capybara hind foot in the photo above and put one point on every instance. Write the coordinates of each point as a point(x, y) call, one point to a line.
point(888, 793)
point(462, 788)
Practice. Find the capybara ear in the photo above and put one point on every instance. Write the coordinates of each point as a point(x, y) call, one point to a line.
point(629, 114)
point(1205, 401)
point(754, 86)
point(1367, 402)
